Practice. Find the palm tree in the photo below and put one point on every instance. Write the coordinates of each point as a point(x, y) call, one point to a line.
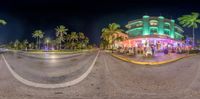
point(118, 39)
point(57, 42)
point(68, 38)
point(40, 37)
point(108, 32)
point(79, 45)
point(3, 22)
point(38, 34)
point(73, 38)
point(190, 21)
point(103, 44)
point(16, 44)
point(85, 41)
point(60, 32)
point(31, 45)
point(53, 43)
point(25, 44)
point(81, 38)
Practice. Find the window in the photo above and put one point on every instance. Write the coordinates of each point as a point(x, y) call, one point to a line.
point(167, 25)
point(167, 32)
point(139, 24)
point(153, 30)
point(153, 22)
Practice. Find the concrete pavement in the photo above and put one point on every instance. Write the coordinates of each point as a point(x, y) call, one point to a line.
point(56, 75)
point(111, 78)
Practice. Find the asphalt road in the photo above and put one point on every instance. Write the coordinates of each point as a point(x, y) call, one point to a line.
point(110, 78)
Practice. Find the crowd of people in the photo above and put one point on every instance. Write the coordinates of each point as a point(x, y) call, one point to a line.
point(151, 50)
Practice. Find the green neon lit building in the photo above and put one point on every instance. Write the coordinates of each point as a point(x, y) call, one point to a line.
point(149, 26)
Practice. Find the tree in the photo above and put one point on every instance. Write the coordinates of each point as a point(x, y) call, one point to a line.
point(25, 44)
point(103, 44)
point(68, 37)
point(57, 42)
point(73, 38)
point(16, 44)
point(11, 45)
point(3, 22)
point(31, 45)
point(190, 21)
point(85, 41)
point(108, 32)
point(60, 32)
point(53, 44)
point(81, 39)
point(79, 45)
point(81, 36)
point(38, 34)
point(21, 46)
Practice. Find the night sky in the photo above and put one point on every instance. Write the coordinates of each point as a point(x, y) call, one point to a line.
point(88, 16)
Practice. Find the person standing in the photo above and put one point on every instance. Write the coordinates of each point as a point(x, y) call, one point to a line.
point(152, 49)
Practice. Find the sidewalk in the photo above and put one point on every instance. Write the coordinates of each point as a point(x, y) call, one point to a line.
point(157, 59)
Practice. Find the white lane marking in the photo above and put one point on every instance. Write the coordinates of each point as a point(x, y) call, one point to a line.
point(60, 85)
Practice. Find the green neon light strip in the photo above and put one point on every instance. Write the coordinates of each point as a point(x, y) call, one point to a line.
point(145, 25)
point(134, 23)
point(179, 28)
point(167, 30)
point(167, 23)
point(161, 17)
point(145, 16)
point(153, 27)
point(140, 28)
point(173, 21)
point(178, 34)
point(161, 25)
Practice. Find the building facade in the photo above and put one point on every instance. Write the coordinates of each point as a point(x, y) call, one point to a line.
point(153, 31)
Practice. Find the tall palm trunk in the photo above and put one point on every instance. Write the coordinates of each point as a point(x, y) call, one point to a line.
point(60, 45)
point(37, 42)
point(193, 42)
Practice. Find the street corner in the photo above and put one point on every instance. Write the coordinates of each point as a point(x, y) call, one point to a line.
point(151, 61)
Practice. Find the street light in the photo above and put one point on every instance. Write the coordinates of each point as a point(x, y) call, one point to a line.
point(47, 40)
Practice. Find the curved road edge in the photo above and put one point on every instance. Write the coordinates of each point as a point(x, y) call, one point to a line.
point(150, 63)
point(60, 85)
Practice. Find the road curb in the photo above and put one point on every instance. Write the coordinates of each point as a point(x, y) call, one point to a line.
point(149, 63)
point(60, 85)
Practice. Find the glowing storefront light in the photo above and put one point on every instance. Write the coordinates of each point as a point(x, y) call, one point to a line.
point(154, 25)
point(149, 31)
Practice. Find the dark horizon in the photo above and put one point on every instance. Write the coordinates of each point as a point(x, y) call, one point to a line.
point(89, 17)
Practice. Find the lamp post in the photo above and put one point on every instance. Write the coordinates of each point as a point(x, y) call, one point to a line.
point(47, 42)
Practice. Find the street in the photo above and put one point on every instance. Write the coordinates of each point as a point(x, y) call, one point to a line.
point(110, 78)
